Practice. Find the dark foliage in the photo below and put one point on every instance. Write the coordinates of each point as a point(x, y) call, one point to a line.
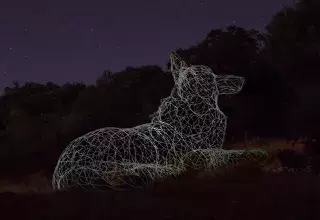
point(292, 159)
point(312, 149)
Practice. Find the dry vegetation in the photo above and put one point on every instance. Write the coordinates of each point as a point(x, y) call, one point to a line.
point(245, 191)
point(38, 182)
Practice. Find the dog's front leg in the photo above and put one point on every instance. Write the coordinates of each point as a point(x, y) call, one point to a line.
point(211, 159)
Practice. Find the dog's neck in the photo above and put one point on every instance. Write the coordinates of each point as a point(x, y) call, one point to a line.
point(192, 117)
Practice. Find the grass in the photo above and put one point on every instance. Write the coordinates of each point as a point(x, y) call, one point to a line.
point(243, 190)
point(37, 182)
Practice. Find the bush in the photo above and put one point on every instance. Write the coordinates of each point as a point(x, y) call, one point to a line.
point(292, 160)
point(312, 149)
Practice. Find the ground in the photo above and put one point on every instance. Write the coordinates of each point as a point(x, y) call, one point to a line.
point(248, 191)
point(257, 196)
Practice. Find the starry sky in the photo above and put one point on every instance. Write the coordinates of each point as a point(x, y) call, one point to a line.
point(75, 40)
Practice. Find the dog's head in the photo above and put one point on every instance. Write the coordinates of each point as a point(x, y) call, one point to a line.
point(200, 81)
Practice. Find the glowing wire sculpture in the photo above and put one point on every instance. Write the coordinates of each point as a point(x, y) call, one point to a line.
point(188, 129)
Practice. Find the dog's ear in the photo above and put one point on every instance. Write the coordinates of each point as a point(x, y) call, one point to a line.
point(177, 65)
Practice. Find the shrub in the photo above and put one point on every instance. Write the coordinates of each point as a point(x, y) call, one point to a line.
point(292, 160)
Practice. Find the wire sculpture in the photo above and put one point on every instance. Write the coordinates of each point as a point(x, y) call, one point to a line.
point(187, 130)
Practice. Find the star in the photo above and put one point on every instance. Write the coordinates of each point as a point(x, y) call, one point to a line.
point(26, 29)
point(25, 57)
point(98, 45)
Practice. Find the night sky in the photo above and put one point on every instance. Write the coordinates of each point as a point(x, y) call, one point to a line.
point(69, 40)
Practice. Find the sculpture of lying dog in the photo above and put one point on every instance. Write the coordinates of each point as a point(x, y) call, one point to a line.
point(187, 121)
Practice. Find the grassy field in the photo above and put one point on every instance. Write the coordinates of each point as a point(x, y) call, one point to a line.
point(252, 195)
point(247, 191)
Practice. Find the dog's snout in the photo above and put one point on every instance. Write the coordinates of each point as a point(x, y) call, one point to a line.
point(229, 84)
point(239, 81)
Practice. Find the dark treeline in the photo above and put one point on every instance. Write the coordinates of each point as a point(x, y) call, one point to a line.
point(280, 97)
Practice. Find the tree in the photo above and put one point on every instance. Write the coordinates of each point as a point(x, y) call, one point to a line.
point(294, 48)
point(105, 78)
point(293, 36)
point(233, 50)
